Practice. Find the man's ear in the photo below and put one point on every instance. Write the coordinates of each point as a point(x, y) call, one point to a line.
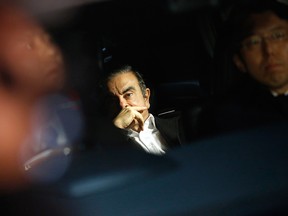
point(147, 97)
point(239, 63)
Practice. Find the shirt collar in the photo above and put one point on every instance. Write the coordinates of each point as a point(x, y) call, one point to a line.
point(150, 122)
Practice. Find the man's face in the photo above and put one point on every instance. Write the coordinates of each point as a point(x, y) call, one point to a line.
point(125, 91)
point(264, 53)
point(28, 55)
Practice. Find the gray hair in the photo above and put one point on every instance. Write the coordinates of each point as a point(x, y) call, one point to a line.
point(129, 69)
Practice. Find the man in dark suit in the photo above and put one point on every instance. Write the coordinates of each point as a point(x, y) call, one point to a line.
point(128, 101)
point(256, 39)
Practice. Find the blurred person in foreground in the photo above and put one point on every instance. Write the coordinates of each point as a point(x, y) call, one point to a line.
point(32, 70)
point(255, 36)
point(128, 101)
point(14, 127)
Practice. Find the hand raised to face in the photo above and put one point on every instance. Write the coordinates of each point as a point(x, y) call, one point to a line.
point(130, 118)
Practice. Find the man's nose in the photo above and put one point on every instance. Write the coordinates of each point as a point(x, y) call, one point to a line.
point(268, 46)
point(122, 102)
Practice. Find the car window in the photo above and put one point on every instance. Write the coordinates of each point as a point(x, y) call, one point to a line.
point(86, 164)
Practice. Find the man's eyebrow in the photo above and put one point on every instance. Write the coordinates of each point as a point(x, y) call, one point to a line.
point(275, 28)
point(129, 88)
point(281, 27)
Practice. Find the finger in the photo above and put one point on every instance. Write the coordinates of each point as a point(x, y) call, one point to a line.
point(137, 121)
point(139, 118)
point(126, 117)
point(136, 108)
point(130, 117)
point(135, 126)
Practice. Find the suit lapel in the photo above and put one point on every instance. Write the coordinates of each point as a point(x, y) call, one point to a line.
point(169, 129)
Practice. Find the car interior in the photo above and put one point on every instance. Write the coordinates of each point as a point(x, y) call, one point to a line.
point(173, 44)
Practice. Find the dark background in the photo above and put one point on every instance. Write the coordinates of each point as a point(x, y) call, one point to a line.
point(165, 45)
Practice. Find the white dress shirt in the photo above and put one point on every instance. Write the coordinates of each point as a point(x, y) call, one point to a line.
point(150, 138)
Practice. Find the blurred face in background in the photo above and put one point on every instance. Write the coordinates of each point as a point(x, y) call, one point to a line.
point(264, 53)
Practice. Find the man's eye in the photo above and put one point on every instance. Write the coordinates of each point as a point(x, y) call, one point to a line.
point(128, 95)
point(278, 35)
point(253, 41)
